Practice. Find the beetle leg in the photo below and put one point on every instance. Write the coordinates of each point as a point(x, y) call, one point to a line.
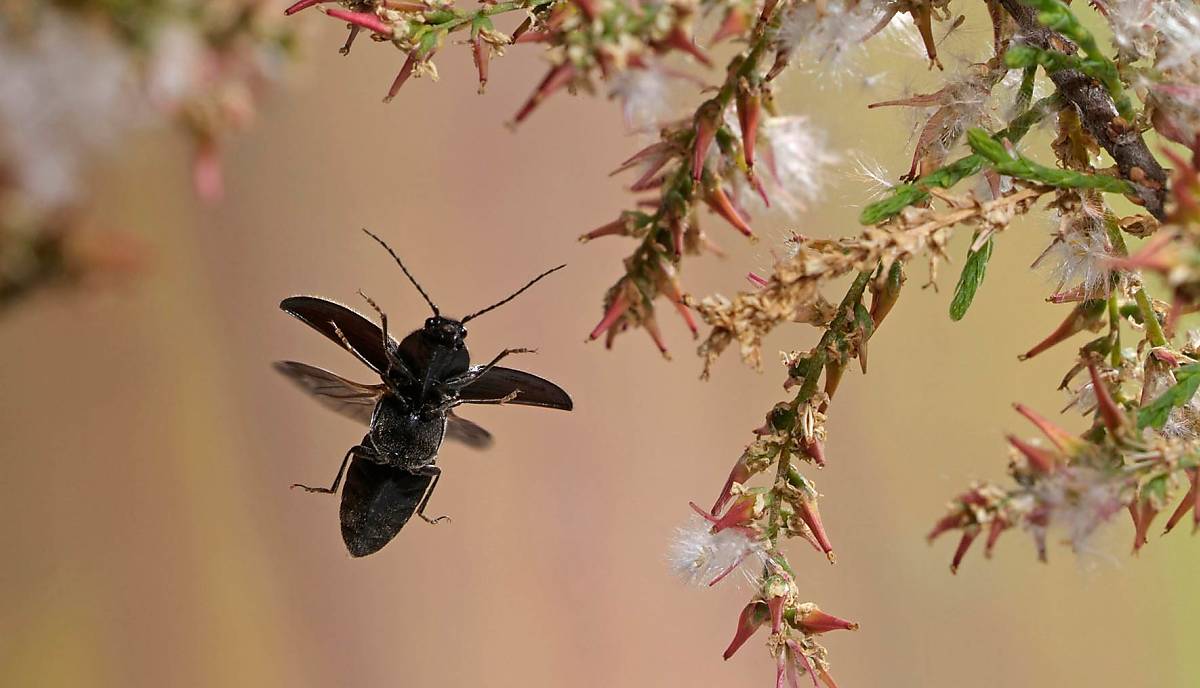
point(475, 373)
point(393, 362)
point(459, 402)
point(355, 450)
point(437, 474)
point(345, 49)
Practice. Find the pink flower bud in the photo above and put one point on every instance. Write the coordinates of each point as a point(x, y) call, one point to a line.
point(615, 310)
point(367, 20)
point(207, 178)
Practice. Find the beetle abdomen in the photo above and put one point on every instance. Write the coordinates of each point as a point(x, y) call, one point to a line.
point(403, 436)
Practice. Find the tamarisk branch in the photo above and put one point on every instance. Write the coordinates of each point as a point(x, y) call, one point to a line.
point(1097, 112)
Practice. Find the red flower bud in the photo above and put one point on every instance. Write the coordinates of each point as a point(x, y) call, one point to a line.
point(964, 543)
point(1143, 514)
point(705, 124)
point(749, 107)
point(1188, 503)
point(752, 617)
point(739, 474)
point(812, 518)
point(885, 293)
point(1039, 459)
point(734, 24)
point(405, 72)
point(1082, 317)
point(815, 451)
point(740, 515)
point(556, 78)
point(650, 325)
point(1065, 441)
point(999, 525)
point(775, 605)
point(1112, 414)
point(618, 227)
point(721, 205)
point(480, 52)
point(810, 619)
point(679, 40)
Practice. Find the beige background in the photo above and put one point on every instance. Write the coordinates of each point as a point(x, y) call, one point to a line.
point(149, 537)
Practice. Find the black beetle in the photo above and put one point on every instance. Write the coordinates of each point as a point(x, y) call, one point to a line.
point(392, 471)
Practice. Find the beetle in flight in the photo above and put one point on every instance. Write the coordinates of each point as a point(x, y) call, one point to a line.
point(423, 378)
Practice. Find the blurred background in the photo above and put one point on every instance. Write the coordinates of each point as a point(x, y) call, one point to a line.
point(149, 536)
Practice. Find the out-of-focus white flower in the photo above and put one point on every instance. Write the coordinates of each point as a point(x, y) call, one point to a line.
point(1078, 500)
point(66, 91)
point(1132, 26)
point(645, 95)
point(1178, 26)
point(176, 66)
point(700, 557)
point(1080, 255)
point(828, 39)
point(797, 159)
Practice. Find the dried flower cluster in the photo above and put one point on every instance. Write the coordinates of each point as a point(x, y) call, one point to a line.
point(79, 75)
point(1098, 180)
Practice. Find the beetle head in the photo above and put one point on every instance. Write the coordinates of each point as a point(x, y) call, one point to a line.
point(444, 331)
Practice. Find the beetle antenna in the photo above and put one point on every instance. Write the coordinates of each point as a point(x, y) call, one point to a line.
point(514, 295)
point(406, 272)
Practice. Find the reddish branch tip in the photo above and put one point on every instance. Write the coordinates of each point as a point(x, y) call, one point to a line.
point(303, 5)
